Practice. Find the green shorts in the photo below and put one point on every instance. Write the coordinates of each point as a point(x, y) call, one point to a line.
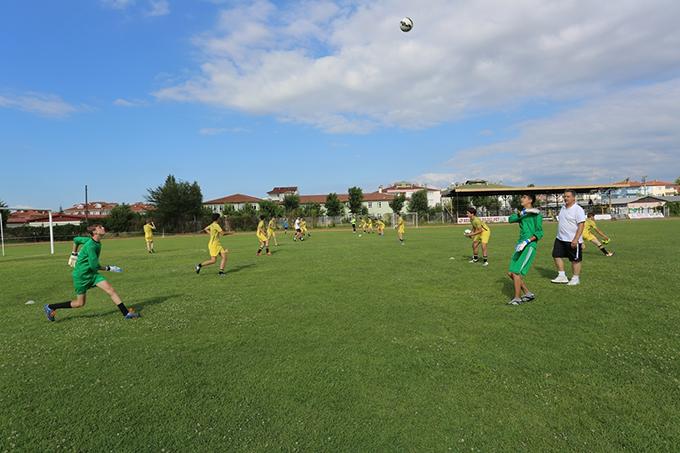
point(81, 285)
point(521, 262)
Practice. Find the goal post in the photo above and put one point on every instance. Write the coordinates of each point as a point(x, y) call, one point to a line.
point(49, 220)
point(410, 218)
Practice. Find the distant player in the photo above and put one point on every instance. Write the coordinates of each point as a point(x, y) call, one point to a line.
point(214, 246)
point(369, 225)
point(530, 232)
point(363, 224)
point(303, 228)
point(480, 234)
point(149, 227)
point(380, 226)
point(589, 234)
point(262, 237)
point(285, 225)
point(86, 275)
point(401, 228)
point(353, 221)
point(298, 230)
point(271, 230)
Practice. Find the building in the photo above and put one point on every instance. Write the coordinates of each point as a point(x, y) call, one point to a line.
point(279, 193)
point(142, 208)
point(434, 195)
point(655, 188)
point(95, 209)
point(24, 217)
point(642, 207)
point(238, 201)
point(378, 203)
point(39, 218)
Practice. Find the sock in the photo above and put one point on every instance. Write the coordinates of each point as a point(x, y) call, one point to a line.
point(123, 309)
point(604, 250)
point(575, 277)
point(60, 305)
point(561, 274)
point(267, 249)
point(221, 271)
point(485, 258)
point(259, 251)
point(200, 265)
point(475, 257)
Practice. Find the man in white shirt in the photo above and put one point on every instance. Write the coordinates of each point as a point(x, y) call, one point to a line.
point(569, 241)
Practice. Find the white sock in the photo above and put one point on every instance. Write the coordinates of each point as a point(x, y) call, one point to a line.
point(575, 277)
point(561, 274)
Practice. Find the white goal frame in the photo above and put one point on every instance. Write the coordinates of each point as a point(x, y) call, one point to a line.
point(410, 218)
point(51, 226)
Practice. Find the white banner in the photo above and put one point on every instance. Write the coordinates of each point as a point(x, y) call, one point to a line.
point(645, 215)
point(603, 216)
point(490, 219)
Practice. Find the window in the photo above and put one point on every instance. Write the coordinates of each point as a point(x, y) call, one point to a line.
point(370, 204)
point(380, 204)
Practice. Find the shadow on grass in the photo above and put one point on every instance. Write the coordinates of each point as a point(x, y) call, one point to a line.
point(546, 273)
point(508, 286)
point(239, 268)
point(138, 306)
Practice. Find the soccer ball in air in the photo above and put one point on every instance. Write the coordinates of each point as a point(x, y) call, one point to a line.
point(406, 24)
point(467, 231)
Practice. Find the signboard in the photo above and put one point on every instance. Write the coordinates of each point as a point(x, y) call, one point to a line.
point(490, 219)
point(645, 215)
point(603, 216)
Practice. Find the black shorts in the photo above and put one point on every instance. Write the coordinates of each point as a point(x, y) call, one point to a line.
point(563, 249)
point(298, 230)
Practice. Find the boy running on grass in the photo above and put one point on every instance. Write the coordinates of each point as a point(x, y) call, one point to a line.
point(530, 232)
point(271, 230)
point(148, 235)
point(261, 234)
point(480, 234)
point(589, 234)
point(401, 228)
point(380, 225)
point(86, 275)
point(214, 245)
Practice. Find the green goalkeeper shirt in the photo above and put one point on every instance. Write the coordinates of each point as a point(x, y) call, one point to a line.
point(529, 225)
point(87, 266)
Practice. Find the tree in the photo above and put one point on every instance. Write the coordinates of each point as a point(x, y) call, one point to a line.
point(176, 202)
point(418, 202)
point(356, 197)
point(4, 212)
point(312, 210)
point(677, 181)
point(291, 202)
point(270, 209)
point(121, 219)
point(334, 207)
point(674, 208)
point(490, 204)
point(397, 203)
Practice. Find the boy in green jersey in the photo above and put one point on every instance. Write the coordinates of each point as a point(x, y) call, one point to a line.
point(530, 232)
point(86, 275)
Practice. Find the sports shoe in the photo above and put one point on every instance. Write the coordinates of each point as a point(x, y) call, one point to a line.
point(132, 314)
point(49, 312)
point(560, 279)
point(486, 263)
point(610, 254)
point(574, 282)
point(197, 268)
point(515, 301)
point(528, 297)
point(221, 274)
point(473, 261)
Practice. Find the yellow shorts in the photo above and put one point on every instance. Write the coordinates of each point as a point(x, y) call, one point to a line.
point(215, 249)
point(262, 237)
point(400, 230)
point(149, 239)
point(270, 233)
point(483, 237)
point(588, 237)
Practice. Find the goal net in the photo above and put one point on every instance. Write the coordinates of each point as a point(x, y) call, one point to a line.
point(410, 219)
point(38, 217)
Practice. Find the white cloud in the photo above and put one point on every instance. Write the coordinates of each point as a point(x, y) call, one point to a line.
point(631, 133)
point(221, 130)
point(158, 8)
point(346, 67)
point(121, 102)
point(40, 103)
point(117, 4)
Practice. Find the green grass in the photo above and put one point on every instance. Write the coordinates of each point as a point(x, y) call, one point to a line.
point(346, 344)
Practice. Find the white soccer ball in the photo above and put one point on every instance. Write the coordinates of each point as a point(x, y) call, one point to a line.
point(467, 231)
point(406, 24)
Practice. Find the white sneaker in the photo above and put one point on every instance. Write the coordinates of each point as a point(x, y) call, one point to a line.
point(486, 263)
point(574, 282)
point(560, 279)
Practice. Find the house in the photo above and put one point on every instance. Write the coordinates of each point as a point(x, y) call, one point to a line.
point(279, 193)
point(653, 187)
point(142, 208)
point(24, 217)
point(237, 200)
point(642, 207)
point(95, 209)
point(376, 203)
point(434, 195)
point(40, 218)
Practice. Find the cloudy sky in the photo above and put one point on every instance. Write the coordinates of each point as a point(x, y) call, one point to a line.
point(245, 95)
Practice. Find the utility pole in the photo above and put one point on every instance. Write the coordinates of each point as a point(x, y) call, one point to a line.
point(86, 220)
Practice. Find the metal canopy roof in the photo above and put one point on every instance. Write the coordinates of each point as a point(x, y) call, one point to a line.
point(475, 191)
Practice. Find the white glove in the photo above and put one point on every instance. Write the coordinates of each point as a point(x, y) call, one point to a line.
point(72, 259)
point(529, 211)
point(522, 245)
point(114, 269)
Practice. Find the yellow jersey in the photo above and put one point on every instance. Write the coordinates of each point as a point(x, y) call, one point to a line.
point(589, 229)
point(214, 229)
point(400, 225)
point(148, 231)
point(272, 225)
point(478, 224)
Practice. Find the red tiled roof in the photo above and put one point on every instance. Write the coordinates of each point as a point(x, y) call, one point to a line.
point(653, 182)
point(403, 187)
point(277, 190)
point(377, 196)
point(92, 206)
point(309, 199)
point(234, 199)
point(19, 217)
point(142, 207)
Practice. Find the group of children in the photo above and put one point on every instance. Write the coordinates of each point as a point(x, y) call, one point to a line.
point(530, 232)
point(367, 223)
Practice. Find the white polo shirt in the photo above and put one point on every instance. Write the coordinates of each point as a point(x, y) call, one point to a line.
point(297, 224)
point(569, 218)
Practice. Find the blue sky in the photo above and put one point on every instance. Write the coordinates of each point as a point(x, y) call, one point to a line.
point(243, 96)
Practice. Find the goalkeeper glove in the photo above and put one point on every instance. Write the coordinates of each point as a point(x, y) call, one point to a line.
point(522, 245)
point(114, 269)
point(525, 211)
point(72, 259)
point(606, 241)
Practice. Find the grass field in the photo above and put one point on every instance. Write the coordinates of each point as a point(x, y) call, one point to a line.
point(344, 343)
